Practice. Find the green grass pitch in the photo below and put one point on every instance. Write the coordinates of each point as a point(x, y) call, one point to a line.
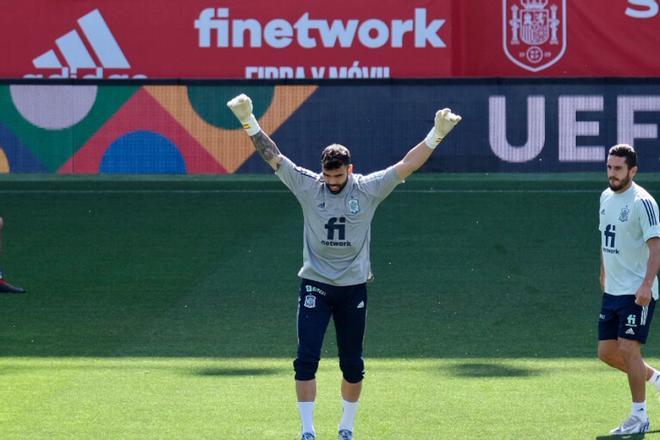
point(164, 308)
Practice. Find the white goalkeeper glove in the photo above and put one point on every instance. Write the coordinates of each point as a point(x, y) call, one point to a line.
point(241, 107)
point(445, 120)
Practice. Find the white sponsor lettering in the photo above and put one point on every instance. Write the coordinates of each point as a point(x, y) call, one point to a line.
point(336, 32)
point(216, 29)
point(649, 9)
point(354, 71)
point(278, 33)
point(274, 72)
point(70, 73)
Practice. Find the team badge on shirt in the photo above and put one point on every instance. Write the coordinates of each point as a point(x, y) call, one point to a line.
point(353, 206)
point(623, 215)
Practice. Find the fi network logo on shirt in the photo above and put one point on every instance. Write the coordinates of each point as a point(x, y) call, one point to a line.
point(71, 57)
point(336, 228)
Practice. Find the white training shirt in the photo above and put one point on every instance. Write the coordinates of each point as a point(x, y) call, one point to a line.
point(627, 221)
point(337, 227)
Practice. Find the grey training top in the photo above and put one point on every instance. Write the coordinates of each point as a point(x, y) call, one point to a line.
point(337, 227)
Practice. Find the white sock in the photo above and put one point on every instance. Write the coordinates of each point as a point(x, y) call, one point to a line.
point(348, 417)
point(655, 378)
point(306, 410)
point(639, 410)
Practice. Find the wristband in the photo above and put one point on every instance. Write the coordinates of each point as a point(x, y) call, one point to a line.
point(432, 139)
point(251, 125)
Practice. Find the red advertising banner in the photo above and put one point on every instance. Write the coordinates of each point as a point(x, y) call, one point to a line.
point(261, 39)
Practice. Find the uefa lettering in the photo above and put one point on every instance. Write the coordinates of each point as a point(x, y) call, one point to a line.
point(534, 32)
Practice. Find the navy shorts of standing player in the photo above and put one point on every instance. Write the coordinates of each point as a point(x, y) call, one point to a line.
point(338, 206)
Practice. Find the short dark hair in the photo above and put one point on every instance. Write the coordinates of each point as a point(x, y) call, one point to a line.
point(335, 156)
point(626, 151)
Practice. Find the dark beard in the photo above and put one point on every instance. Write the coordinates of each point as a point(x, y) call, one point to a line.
point(622, 184)
point(339, 190)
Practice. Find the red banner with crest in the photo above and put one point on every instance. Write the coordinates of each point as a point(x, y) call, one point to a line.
point(374, 39)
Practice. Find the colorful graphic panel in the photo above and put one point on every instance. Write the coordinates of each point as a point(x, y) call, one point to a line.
point(513, 125)
point(52, 122)
point(90, 129)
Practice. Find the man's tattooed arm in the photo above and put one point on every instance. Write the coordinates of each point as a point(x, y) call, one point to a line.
point(267, 149)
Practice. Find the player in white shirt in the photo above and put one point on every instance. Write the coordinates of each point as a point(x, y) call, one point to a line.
point(338, 207)
point(630, 260)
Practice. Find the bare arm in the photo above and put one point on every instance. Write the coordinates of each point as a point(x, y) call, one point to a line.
point(241, 107)
point(413, 160)
point(643, 295)
point(444, 122)
point(267, 149)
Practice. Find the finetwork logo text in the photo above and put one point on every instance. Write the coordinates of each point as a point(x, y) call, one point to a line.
point(71, 58)
point(216, 29)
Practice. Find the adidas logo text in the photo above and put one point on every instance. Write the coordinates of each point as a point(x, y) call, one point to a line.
point(72, 57)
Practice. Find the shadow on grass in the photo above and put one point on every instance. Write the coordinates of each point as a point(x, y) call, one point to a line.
point(237, 371)
point(479, 370)
point(207, 372)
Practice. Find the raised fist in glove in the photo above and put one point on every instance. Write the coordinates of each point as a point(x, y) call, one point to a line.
point(241, 107)
point(444, 122)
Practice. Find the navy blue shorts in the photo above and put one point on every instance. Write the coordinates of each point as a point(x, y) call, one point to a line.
point(620, 317)
point(347, 307)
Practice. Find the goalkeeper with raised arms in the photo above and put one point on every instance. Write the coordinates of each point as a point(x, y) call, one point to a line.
point(338, 206)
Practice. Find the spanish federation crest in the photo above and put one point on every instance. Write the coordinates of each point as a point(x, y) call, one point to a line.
point(353, 206)
point(310, 301)
point(623, 215)
point(534, 32)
